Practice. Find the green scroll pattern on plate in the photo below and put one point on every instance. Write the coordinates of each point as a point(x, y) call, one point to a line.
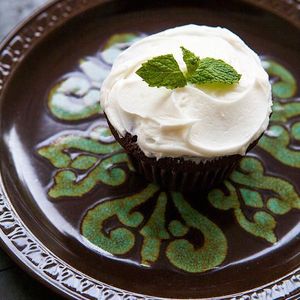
point(85, 160)
point(180, 252)
point(247, 184)
point(76, 96)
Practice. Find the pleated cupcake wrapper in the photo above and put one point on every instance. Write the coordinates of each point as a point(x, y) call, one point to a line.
point(178, 174)
point(206, 178)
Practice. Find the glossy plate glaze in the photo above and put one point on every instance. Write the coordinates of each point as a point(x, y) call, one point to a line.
point(72, 209)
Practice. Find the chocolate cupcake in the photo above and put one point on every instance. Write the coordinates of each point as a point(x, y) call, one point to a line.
point(187, 104)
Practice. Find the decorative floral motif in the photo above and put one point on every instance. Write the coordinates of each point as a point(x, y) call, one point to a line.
point(248, 184)
point(183, 254)
point(94, 157)
point(180, 252)
point(76, 95)
point(282, 139)
point(284, 84)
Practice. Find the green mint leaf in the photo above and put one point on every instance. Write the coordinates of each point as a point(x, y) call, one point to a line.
point(162, 71)
point(212, 70)
point(191, 60)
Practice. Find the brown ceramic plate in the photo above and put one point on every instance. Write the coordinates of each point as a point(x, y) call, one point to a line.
point(74, 213)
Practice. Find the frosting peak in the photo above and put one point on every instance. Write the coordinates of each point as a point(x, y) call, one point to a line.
point(203, 122)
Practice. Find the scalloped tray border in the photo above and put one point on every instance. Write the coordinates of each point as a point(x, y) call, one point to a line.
point(16, 238)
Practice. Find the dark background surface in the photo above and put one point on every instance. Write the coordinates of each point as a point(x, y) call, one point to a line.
point(15, 284)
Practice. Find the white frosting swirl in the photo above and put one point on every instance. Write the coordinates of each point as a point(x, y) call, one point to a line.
point(201, 122)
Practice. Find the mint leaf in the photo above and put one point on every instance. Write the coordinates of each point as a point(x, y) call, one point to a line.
point(212, 70)
point(162, 71)
point(191, 60)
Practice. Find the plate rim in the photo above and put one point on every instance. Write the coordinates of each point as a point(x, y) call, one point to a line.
point(12, 50)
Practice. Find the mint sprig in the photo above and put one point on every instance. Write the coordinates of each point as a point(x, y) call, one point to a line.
point(164, 71)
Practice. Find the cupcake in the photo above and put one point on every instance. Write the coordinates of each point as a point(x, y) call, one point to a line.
point(187, 104)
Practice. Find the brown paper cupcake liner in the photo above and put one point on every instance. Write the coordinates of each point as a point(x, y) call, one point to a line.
point(177, 173)
point(204, 179)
